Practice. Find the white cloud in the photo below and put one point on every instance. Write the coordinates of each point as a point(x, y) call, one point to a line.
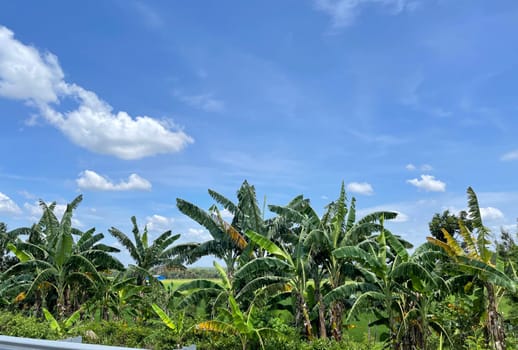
point(344, 12)
point(509, 227)
point(28, 75)
point(424, 167)
point(360, 187)
point(401, 217)
point(490, 213)
point(27, 194)
point(205, 102)
point(25, 74)
point(90, 180)
point(159, 223)
point(410, 167)
point(226, 214)
point(7, 205)
point(513, 155)
point(198, 234)
point(428, 183)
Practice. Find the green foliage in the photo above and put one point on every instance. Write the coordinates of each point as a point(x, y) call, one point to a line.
point(18, 325)
point(292, 281)
point(114, 333)
point(160, 252)
point(449, 222)
point(65, 327)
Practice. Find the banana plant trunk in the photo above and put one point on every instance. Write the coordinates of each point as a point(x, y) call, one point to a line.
point(494, 321)
point(303, 311)
point(336, 320)
point(321, 308)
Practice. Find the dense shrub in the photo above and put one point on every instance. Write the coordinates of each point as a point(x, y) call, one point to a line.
point(18, 325)
point(156, 336)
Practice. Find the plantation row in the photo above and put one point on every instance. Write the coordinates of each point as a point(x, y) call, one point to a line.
point(296, 280)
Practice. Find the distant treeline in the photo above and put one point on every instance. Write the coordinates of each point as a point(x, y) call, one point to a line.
point(189, 273)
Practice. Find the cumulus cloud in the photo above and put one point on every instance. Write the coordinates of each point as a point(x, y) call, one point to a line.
point(90, 180)
point(37, 78)
point(159, 223)
point(401, 217)
point(344, 12)
point(7, 205)
point(361, 188)
point(198, 234)
point(428, 183)
point(490, 213)
point(512, 155)
point(226, 214)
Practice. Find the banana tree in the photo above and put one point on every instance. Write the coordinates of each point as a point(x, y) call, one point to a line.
point(386, 268)
point(233, 321)
point(228, 242)
point(473, 257)
point(114, 298)
point(6, 237)
point(54, 263)
point(280, 271)
point(148, 255)
point(336, 228)
point(215, 293)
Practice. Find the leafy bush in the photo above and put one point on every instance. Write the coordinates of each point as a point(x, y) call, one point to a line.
point(114, 333)
point(18, 325)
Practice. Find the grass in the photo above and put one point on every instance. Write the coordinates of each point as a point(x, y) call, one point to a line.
point(358, 330)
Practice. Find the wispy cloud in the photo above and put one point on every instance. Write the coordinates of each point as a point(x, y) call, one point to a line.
point(149, 15)
point(428, 183)
point(382, 139)
point(343, 13)
point(36, 78)
point(410, 167)
point(364, 188)
point(512, 155)
point(424, 167)
point(90, 180)
point(410, 95)
point(206, 102)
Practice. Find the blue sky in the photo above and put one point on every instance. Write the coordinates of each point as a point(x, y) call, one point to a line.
point(136, 103)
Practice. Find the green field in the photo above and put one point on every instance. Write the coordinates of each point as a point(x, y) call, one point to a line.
point(177, 282)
